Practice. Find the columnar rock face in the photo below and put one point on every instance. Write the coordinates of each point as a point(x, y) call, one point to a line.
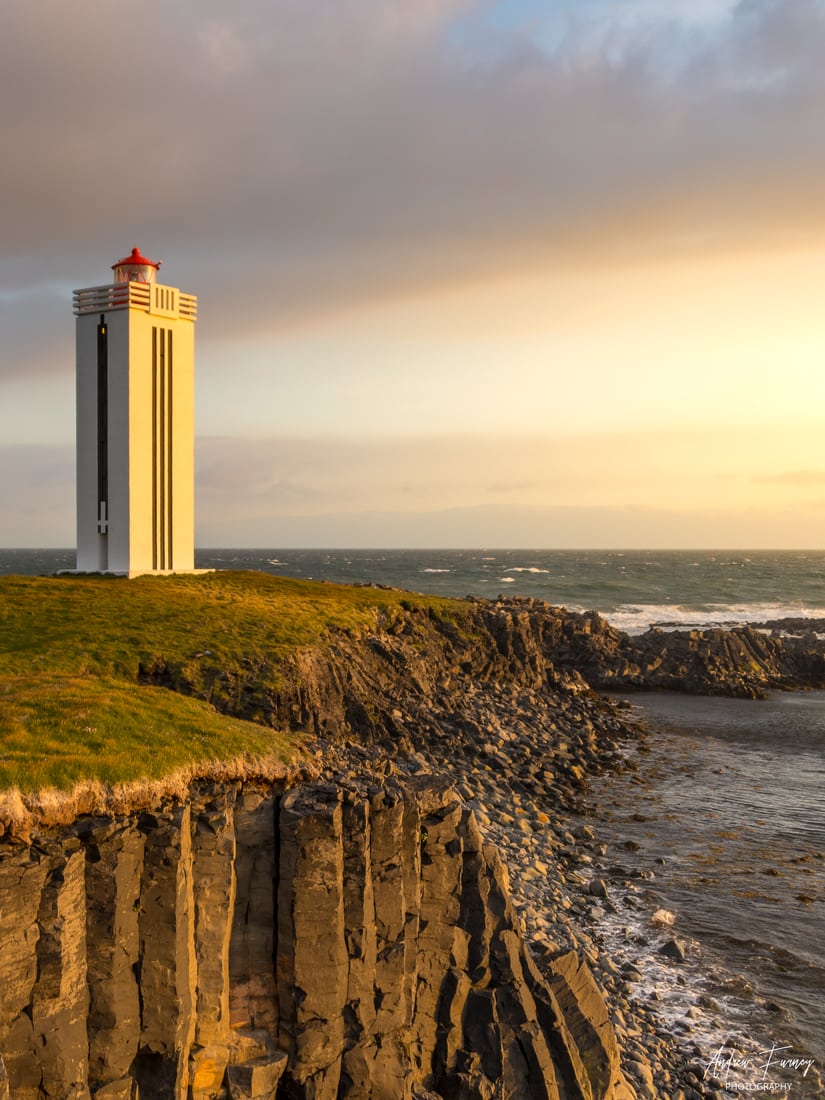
point(312, 953)
point(114, 858)
point(22, 880)
point(253, 1000)
point(167, 955)
point(60, 1000)
point(312, 944)
point(213, 871)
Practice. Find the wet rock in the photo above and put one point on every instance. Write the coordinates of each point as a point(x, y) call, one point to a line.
point(675, 949)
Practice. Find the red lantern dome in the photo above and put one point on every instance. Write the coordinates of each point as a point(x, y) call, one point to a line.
point(135, 268)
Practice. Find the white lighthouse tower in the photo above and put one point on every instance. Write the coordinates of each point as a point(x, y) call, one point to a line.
point(135, 423)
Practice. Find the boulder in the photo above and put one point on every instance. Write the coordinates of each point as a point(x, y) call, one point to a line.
point(675, 949)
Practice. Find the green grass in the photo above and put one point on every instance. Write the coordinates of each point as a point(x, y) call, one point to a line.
point(58, 730)
point(71, 649)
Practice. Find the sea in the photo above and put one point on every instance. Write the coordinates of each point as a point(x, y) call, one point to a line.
point(723, 822)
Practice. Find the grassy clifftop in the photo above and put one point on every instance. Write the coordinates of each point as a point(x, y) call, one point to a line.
point(71, 651)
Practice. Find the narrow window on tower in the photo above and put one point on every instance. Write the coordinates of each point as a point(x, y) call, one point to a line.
point(102, 427)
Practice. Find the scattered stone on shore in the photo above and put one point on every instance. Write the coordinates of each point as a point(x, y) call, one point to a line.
point(547, 865)
point(674, 949)
point(550, 861)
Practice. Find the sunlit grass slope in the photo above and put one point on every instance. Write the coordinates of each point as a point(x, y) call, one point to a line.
point(71, 707)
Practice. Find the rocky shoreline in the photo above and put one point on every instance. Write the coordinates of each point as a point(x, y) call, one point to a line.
point(526, 785)
point(523, 763)
point(502, 705)
point(522, 756)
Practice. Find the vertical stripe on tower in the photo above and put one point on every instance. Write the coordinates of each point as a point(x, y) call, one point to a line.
point(162, 436)
point(169, 465)
point(154, 447)
point(102, 426)
point(162, 467)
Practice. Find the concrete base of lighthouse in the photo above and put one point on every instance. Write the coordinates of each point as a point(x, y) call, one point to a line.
point(134, 573)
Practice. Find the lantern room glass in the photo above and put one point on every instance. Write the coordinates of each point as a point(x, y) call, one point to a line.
point(135, 273)
point(136, 268)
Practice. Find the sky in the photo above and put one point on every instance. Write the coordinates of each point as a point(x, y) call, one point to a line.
point(535, 273)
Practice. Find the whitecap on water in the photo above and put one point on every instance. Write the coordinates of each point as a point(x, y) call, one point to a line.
point(663, 918)
point(636, 618)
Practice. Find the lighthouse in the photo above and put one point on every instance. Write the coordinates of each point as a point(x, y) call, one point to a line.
point(135, 423)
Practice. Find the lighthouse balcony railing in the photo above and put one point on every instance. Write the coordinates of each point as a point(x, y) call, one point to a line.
point(135, 295)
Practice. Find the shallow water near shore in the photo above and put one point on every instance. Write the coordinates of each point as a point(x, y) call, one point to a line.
point(724, 825)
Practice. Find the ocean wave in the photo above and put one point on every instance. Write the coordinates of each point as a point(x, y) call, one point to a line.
point(662, 918)
point(525, 569)
point(435, 570)
point(636, 618)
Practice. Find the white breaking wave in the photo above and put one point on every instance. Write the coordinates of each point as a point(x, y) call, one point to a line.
point(636, 618)
point(663, 918)
point(436, 570)
point(525, 569)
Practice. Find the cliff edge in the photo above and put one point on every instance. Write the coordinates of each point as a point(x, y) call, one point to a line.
point(327, 941)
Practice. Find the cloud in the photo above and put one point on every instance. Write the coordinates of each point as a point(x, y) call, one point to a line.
point(798, 478)
point(546, 528)
point(289, 158)
point(636, 489)
point(251, 484)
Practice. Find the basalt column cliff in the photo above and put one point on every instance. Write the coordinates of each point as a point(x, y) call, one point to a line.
point(321, 942)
